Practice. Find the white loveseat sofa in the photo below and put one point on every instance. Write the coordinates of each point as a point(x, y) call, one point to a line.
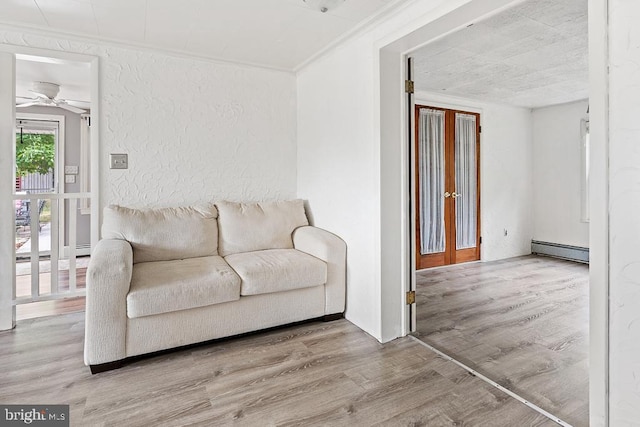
point(165, 278)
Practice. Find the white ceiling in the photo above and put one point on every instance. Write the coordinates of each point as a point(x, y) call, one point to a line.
point(532, 55)
point(274, 33)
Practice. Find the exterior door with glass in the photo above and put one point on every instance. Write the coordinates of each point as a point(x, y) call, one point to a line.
point(447, 184)
point(37, 151)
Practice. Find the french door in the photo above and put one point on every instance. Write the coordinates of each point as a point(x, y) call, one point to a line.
point(447, 186)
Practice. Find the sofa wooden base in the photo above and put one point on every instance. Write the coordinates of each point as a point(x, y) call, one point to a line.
point(332, 317)
point(103, 367)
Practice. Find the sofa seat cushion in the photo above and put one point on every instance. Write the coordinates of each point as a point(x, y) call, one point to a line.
point(276, 270)
point(166, 286)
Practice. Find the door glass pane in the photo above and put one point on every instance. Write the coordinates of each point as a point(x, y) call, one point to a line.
point(466, 181)
point(36, 146)
point(431, 180)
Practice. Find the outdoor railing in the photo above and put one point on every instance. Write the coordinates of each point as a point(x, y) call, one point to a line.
point(56, 200)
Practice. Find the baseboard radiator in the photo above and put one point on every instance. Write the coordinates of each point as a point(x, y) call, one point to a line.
point(82, 249)
point(557, 250)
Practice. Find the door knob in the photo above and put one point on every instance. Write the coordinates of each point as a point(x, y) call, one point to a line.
point(447, 195)
point(455, 195)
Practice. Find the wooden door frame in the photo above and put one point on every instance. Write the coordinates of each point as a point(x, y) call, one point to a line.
point(449, 256)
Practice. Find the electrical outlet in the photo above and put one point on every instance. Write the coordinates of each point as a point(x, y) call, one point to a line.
point(71, 170)
point(69, 179)
point(119, 161)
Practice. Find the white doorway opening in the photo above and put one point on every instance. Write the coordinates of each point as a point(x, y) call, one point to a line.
point(396, 187)
point(68, 206)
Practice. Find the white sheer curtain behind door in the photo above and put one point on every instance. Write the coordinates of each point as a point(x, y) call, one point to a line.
point(466, 181)
point(431, 180)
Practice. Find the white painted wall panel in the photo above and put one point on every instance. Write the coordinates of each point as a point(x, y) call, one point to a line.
point(506, 195)
point(7, 185)
point(557, 174)
point(506, 180)
point(507, 183)
point(624, 212)
point(194, 130)
point(336, 172)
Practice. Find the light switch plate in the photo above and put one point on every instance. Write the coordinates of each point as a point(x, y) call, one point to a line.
point(69, 179)
point(119, 161)
point(71, 170)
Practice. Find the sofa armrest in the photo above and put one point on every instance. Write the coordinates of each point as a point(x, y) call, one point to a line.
point(108, 281)
point(332, 250)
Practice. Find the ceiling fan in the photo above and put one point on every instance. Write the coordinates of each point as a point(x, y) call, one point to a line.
point(46, 96)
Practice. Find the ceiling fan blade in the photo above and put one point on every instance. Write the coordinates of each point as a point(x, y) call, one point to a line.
point(28, 104)
point(71, 108)
point(39, 94)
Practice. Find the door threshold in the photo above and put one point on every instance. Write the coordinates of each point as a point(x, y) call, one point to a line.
point(449, 265)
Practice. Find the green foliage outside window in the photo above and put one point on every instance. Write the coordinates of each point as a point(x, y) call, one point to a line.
point(35, 153)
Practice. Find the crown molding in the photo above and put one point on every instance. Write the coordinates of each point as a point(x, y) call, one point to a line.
point(120, 44)
point(393, 8)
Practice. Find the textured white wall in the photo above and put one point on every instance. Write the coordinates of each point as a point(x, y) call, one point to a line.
point(194, 130)
point(557, 174)
point(505, 174)
point(624, 212)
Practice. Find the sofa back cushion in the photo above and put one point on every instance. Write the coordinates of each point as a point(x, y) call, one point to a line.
point(246, 227)
point(164, 234)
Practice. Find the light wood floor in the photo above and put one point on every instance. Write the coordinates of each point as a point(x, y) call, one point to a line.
point(523, 322)
point(329, 374)
point(49, 308)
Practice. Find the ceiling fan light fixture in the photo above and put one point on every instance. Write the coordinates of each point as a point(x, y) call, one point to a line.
point(46, 95)
point(323, 5)
point(49, 90)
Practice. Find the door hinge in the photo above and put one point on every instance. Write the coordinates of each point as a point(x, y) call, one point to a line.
point(480, 129)
point(480, 239)
point(411, 297)
point(408, 86)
